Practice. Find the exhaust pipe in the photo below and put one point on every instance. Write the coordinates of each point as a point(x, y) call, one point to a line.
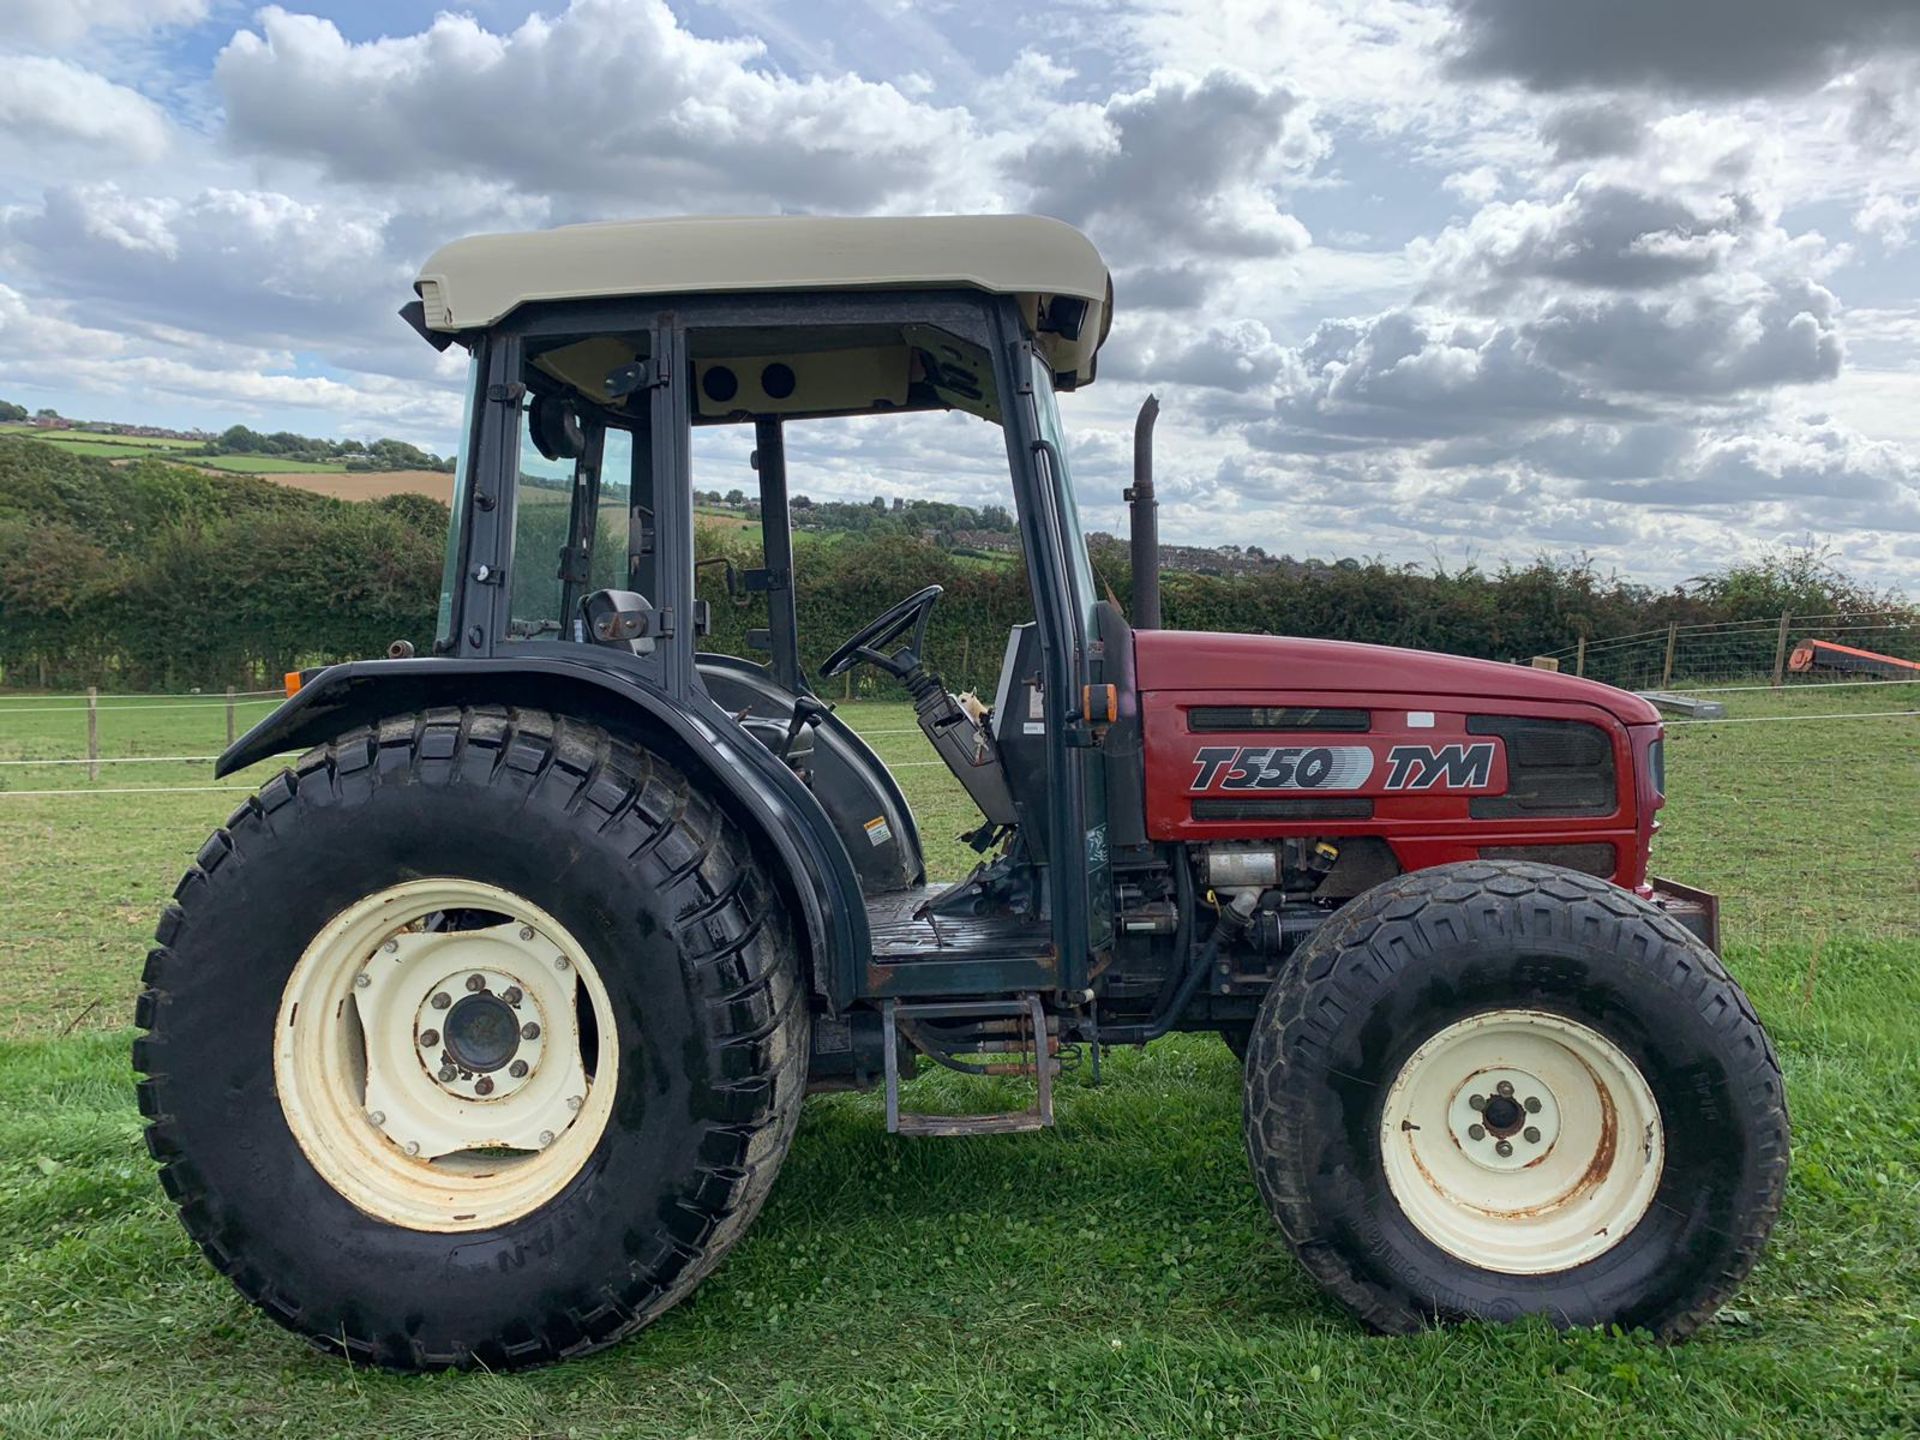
point(1144, 522)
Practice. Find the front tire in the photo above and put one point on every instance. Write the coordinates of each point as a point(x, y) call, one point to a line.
point(1496, 1089)
point(475, 1039)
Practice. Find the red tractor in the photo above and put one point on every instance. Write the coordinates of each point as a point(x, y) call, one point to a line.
point(478, 1036)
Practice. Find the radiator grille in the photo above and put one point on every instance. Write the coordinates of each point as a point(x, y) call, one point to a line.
point(1203, 718)
point(1555, 768)
point(1303, 808)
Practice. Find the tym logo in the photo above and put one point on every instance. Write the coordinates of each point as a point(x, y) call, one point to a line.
point(1281, 767)
point(1450, 767)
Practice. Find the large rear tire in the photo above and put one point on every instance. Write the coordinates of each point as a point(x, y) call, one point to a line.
point(475, 1039)
point(1490, 1090)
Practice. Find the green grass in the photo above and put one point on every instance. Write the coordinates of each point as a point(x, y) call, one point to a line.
point(1116, 1276)
point(87, 442)
point(270, 465)
point(130, 447)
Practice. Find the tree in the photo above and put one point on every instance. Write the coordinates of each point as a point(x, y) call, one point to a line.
point(736, 498)
point(11, 412)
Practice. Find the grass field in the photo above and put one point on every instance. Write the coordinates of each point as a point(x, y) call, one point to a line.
point(269, 465)
point(88, 442)
point(1116, 1276)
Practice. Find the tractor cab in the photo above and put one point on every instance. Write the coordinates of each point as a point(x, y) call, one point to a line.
point(599, 351)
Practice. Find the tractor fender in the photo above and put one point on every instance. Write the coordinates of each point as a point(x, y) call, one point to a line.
point(764, 796)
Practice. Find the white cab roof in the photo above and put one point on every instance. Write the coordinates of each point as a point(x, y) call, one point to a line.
point(470, 284)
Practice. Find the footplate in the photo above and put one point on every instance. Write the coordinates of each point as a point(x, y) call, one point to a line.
point(1025, 1007)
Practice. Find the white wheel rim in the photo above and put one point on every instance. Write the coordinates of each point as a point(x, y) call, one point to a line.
point(440, 1079)
point(1581, 1163)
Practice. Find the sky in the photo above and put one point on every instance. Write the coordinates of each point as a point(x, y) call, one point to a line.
point(1441, 281)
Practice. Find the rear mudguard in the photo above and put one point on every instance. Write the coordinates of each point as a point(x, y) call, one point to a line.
point(767, 798)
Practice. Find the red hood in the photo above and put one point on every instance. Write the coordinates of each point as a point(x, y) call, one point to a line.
point(1204, 660)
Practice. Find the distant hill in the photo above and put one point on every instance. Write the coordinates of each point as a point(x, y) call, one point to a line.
point(238, 450)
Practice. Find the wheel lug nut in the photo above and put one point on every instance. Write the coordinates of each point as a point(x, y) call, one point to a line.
point(1476, 1102)
point(1531, 1135)
point(392, 947)
point(573, 1102)
point(512, 995)
point(483, 1086)
point(529, 1031)
point(1503, 1149)
point(1533, 1104)
point(442, 1000)
point(362, 980)
point(559, 962)
point(377, 1117)
point(447, 1074)
point(1505, 1087)
point(412, 1147)
point(476, 983)
point(517, 1069)
point(546, 1138)
point(1476, 1132)
point(526, 932)
point(429, 1039)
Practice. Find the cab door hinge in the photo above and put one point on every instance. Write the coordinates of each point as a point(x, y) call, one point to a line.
point(625, 380)
point(512, 393)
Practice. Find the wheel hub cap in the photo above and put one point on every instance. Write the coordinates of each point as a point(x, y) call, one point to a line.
point(482, 1033)
point(1521, 1141)
point(1504, 1119)
point(441, 1078)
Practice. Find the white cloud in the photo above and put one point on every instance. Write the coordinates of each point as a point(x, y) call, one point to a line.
point(51, 102)
point(611, 103)
point(57, 23)
point(1476, 186)
point(1889, 219)
point(1190, 165)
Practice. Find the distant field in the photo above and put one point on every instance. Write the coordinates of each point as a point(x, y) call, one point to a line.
point(87, 443)
point(721, 519)
point(269, 465)
point(370, 485)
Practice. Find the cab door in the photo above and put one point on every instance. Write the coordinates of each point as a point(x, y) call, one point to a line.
point(1065, 600)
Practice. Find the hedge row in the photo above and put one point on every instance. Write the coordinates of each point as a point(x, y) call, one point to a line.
point(147, 576)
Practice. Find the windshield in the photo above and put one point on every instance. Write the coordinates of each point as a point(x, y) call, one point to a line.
point(1074, 540)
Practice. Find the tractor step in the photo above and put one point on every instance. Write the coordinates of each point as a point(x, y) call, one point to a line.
point(1025, 1007)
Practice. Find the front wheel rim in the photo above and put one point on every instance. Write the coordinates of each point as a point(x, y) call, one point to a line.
point(1522, 1142)
point(445, 1055)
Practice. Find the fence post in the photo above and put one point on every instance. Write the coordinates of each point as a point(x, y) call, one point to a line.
point(93, 732)
point(1580, 657)
point(1673, 640)
point(230, 730)
point(1780, 651)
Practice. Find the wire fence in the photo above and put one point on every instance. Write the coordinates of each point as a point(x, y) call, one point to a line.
point(1861, 648)
point(1801, 807)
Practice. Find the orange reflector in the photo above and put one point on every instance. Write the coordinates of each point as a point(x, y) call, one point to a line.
point(292, 681)
point(1097, 698)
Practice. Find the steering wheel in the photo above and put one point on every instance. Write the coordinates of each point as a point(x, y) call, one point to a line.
point(912, 614)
